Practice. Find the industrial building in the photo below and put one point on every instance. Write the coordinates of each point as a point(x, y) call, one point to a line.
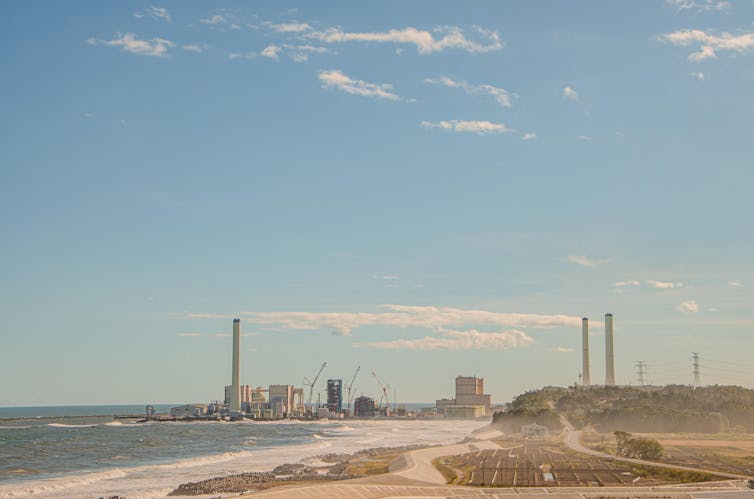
point(364, 407)
point(470, 400)
point(609, 352)
point(335, 395)
point(189, 411)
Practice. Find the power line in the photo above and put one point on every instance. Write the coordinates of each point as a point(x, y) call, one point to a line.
point(641, 372)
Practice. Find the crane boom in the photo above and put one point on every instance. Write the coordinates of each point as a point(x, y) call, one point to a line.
point(349, 386)
point(311, 384)
point(384, 387)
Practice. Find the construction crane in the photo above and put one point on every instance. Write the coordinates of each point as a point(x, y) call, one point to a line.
point(348, 387)
point(384, 387)
point(311, 384)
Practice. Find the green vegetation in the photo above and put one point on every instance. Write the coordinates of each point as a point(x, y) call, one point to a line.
point(681, 476)
point(638, 448)
point(531, 407)
point(669, 409)
point(441, 463)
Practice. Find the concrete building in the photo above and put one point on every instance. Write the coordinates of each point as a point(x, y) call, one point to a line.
point(245, 393)
point(465, 411)
point(335, 395)
point(188, 411)
point(281, 400)
point(235, 391)
point(470, 391)
point(609, 351)
point(442, 404)
point(363, 407)
point(585, 377)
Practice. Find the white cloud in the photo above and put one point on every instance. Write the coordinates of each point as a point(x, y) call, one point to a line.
point(585, 138)
point(88, 115)
point(449, 37)
point(664, 284)
point(562, 349)
point(736, 284)
point(458, 340)
point(214, 20)
point(704, 5)
point(154, 13)
point(156, 47)
point(478, 127)
point(500, 95)
point(300, 53)
point(343, 323)
point(195, 47)
point(189, 335)
point(688, 307)
point(626, 283)
point(697, 75)
point(710, 44)
point(529, 136)
point(270, 51)
point(585, 261)
point(386, 277)
point(290, 27)
point(570, 94)
point(337, 79)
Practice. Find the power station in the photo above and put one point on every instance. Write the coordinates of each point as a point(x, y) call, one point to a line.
point(586, 379)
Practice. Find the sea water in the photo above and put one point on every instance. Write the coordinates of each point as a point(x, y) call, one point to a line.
point(80, 457)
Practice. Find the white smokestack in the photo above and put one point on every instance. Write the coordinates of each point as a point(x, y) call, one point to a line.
point(585, 379)
point(609, 355)
point(235, 389)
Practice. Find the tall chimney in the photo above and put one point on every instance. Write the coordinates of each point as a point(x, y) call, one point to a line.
point(609, 355)
point(585, 379)
point(235, 389)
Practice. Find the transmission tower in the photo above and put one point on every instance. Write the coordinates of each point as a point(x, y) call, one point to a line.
point(695, 367)
point(641, 372)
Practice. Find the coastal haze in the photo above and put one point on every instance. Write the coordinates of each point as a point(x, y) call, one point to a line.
point(523, 209)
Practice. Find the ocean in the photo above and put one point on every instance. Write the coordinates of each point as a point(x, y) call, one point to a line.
point(81, 457)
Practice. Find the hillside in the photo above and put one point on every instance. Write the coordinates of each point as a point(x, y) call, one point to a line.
point(672, 408)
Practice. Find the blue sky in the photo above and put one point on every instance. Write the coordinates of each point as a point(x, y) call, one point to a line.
point(425, 189)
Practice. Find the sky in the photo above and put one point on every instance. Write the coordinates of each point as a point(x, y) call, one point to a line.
point(424, 189)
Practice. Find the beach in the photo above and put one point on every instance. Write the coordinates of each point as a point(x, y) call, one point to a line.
point(161, 459)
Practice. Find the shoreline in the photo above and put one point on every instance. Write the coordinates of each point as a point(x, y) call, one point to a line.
point(330, 468)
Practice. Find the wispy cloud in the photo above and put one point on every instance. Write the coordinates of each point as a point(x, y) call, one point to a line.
point(448, 37)
point(529, 136)
point(710, 44)
point(501, 96)
point(699, 6)
point(664, 284)
point(189, 335)
point(293, 27)
point(736, 284)
point(570, 94)
point(562, 349)
point(388, 277)
point(155, 47)
point(336, 79)
point(154, 13)
point(214, 20)
point(688, 307)
point(620, 284)
point(343, 323)
point(195, 47)
point(478, 127)
point(697, 75)
point(585, 261)
point(271, 51)
point(457, 340)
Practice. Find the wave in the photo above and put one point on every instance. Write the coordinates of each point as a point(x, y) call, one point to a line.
point(14, 427)
point(63, 425)
point(118, 423)
point(57, 484)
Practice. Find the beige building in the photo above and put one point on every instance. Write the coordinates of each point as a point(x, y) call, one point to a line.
point(465, 411)
point(469, 393)
point(281, 400)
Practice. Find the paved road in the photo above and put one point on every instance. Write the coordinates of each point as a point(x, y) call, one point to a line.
point(572, 439)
